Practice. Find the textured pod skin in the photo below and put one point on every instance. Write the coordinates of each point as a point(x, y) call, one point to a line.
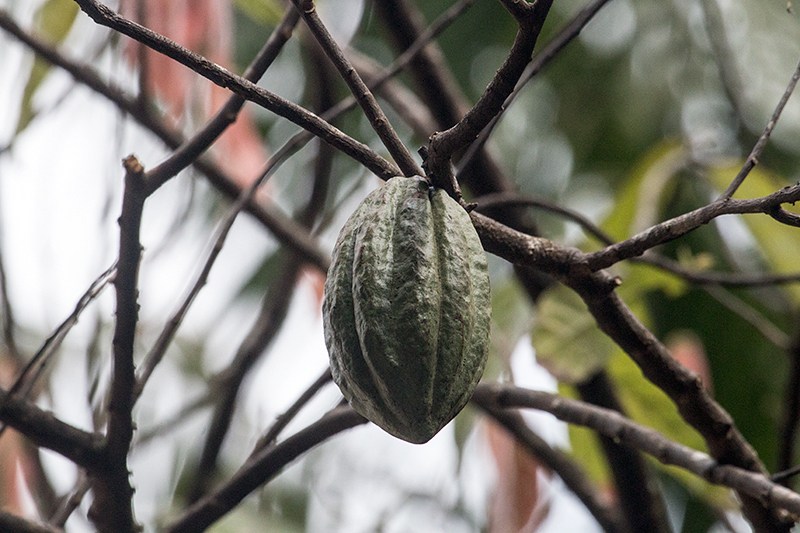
point(406, 309)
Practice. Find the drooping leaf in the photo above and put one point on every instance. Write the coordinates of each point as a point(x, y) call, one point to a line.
point(53, 21)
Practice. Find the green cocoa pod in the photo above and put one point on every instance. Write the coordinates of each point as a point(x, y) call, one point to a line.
point(406, 309)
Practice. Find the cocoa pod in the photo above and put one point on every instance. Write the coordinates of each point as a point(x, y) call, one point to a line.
point(407, 309)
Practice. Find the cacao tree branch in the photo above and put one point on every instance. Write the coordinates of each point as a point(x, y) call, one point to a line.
point(443, 145)
point(359, 89)
point(244, 88)
point(262, 467)
point(639, 493)
point(112, 508)
point(571, 30)
point(607, 515)
point(192, 148)
point(697, 277)
point(677, 227)
point(683, 386)
point(615, 426)
point(46, 431)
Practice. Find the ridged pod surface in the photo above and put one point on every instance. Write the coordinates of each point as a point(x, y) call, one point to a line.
point(407, 310)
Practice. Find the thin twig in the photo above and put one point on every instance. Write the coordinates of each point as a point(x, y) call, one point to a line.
point(443, 145)
point(681, 225)
point(755, 153)
point(24, 384)
point(287, 231)
point(191, 149)
point(262, 467)
point(571, 30)
point(269, 438)
point(697, 277)
point(359, 89)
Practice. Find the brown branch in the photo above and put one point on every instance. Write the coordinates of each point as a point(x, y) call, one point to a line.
point(697, 277)
point(244, 88)
point(443, 145)
point(269, 438)
point(574, 477)
point(112, 509)
point(228, 383)
point(10, 523)
point(683, 386)
point(638, 491)
point(677, 227)
point(359, 89)
point(615, 426)
point(261, 468)
point(571, 30)
point(45, 430)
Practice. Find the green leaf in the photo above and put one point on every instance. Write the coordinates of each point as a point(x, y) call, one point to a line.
point(53, 21)
point(261, 11)
point(566, 338)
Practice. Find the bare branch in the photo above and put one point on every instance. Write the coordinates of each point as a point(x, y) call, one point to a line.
point(262, 467)
point(615, 426)
point(112, 509)
point(443, 145)
point(571, 30)
point(606, 514)
point(285, 229)
point(45, 430)
point(191, 149)
point(269, 438)
point(359, 89)
point(677, 227)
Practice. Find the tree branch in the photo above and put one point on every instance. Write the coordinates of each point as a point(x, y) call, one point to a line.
point(615, 426)
point(359, 89)
point(45, 430)
point(112, 509)
point(607, 515)
point(755, 153)
point(262, 467)
point(287, 231)
point(443, 145)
